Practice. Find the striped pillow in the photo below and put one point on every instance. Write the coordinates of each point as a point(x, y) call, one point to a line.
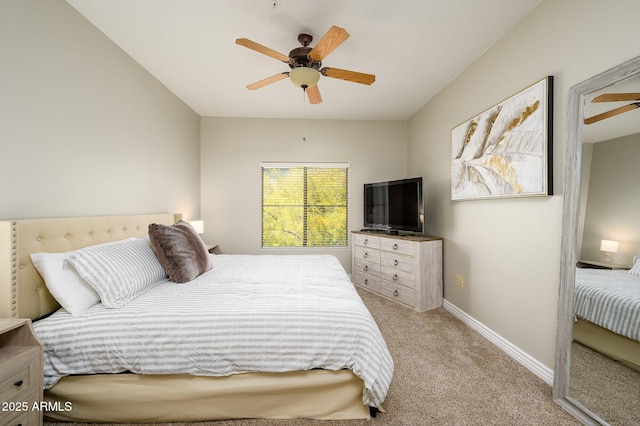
point(119, 272)
point(635, 269)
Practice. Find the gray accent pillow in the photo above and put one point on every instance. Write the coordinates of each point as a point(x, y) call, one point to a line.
point(180, 250)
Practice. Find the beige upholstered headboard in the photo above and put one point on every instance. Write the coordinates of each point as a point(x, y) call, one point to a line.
point(22, 290)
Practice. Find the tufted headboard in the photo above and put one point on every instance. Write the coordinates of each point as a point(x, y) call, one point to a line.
point(22, 290)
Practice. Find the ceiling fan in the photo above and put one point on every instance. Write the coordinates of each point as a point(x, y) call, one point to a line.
point(614, 97)
point(305, 63)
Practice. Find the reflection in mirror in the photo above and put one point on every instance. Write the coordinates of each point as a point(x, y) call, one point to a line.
point(605, 364)
point(597, 374)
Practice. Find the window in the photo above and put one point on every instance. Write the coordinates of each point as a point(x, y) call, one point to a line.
point(304, 205)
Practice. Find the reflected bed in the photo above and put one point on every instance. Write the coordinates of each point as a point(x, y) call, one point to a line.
point(607, 310)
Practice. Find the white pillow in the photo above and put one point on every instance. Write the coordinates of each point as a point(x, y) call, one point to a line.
point(119, 272)
point(65, 285)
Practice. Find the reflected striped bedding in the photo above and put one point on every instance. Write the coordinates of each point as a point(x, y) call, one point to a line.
point(610, 299)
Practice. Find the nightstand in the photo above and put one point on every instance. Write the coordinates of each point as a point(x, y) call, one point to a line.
point(594, 264)
point(21, 357)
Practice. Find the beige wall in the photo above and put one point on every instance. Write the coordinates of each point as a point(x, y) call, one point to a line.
point(84, 130)
point(508, 250)
point(233, 148)
point(612, 203)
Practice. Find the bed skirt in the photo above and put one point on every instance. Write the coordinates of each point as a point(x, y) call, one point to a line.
point(317, 394)
point(617, 347)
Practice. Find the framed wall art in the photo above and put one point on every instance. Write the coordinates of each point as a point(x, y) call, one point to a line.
point(506, 151)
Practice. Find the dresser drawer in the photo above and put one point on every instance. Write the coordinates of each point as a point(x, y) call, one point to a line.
point(367, 267)
point(398, 277)
point(400, 293)
point(21, 412)
point(367, 240)
point(368, 254)
point(397, 262)
point(21, 376)
point(367, 281)
point(398, 246)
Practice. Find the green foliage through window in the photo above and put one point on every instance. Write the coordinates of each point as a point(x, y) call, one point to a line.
point(304, 206)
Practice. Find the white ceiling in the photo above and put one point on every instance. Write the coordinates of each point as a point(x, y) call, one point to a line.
point(414, 47)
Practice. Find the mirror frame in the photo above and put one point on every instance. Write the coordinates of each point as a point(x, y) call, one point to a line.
point(571, 209)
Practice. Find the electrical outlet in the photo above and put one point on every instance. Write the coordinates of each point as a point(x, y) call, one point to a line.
point(459, 281)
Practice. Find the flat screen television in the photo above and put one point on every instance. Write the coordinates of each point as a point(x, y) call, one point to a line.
point(394, 206)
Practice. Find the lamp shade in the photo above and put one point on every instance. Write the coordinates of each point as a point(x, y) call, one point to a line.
point(198, 225)
point(304, 77)
point(609, 246)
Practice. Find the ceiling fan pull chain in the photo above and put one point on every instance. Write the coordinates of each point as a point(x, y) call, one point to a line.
point(304, 115)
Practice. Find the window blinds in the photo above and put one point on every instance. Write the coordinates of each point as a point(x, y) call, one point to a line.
point(304, 204)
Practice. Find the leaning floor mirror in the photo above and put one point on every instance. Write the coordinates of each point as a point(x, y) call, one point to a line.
point(597, 370)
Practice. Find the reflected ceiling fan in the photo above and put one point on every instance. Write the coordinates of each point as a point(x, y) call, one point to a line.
point(614, 97)
point(305, 63)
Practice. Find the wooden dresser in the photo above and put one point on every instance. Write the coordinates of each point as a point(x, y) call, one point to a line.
point(21, 378)
point(407, 269)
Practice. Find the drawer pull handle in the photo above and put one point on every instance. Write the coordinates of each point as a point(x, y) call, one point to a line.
point(395, 262)
point(395, 247)
point(18, 383)
point(366, 255)
point(395, 277)
point(366, 267)
point(366, 281)
point(366, 241)
point(395, 293)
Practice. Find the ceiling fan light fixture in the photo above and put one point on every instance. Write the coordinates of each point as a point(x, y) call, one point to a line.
point(304, 77)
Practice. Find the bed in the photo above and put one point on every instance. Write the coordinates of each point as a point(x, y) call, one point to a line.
point(607, 310)
point(348, 382)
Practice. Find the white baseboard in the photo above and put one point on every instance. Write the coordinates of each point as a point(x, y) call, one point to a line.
point(530, 363)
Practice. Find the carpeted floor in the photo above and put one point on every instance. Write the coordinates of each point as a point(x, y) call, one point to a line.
point(606, 387)
point(445, 374)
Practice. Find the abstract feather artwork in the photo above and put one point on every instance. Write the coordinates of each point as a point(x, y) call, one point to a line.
point(506, 150)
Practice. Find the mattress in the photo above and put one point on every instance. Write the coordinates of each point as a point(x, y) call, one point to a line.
point(610, 299)
point(247, 314)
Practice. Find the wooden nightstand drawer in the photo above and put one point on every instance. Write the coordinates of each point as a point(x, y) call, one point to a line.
point(400, 293)
point(22, 412)
point(20, 373)
point(20, 376)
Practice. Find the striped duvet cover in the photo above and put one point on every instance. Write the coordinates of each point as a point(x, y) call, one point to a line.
point(248, 313)
point(610, 299)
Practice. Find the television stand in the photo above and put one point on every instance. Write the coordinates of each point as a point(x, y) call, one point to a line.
point(403, 268)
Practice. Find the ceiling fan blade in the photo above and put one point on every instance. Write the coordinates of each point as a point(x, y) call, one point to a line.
point(268, 80)
point(262, 49)
point(328, 43)
point(313, 93)
point(355, 77)
point(611, 113)
point(617, 97)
